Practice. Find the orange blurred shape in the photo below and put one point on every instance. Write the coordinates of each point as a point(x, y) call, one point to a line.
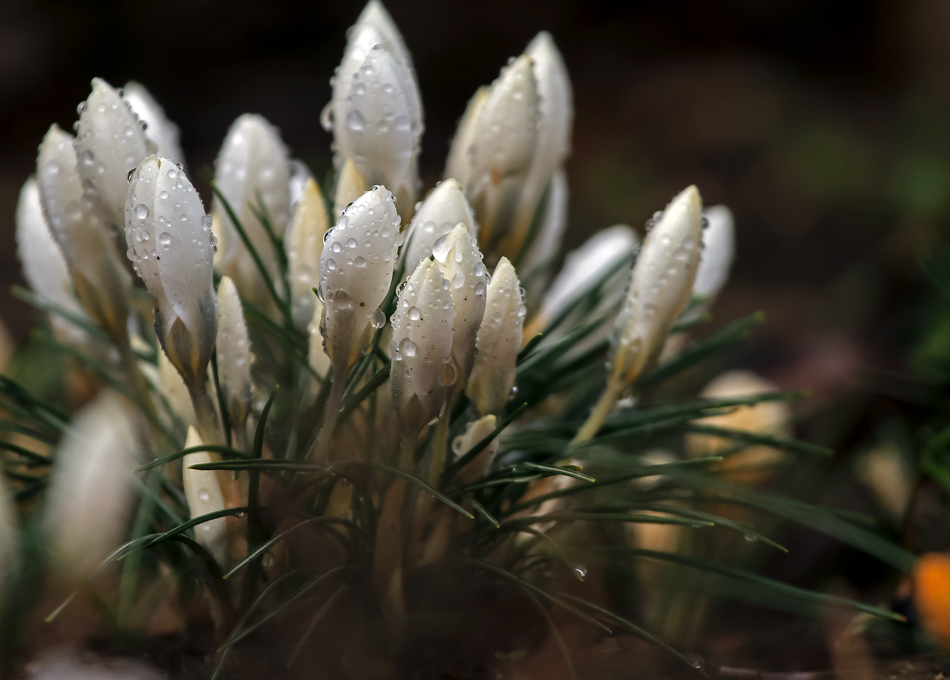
point(932, 594)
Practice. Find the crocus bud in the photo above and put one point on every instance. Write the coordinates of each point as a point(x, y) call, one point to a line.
point(556, 110)
point(377, 111)
point(474, 433)
point(458, 165)
point(252, 165)
point(158, 129)
point(459, 260)
point(503, 149)
point(299, 176)
point(497, 342)
point(169, 238)
point(718, 251)
point(110, 142)
point(91, 489)
point(541, 252)
point(304, 247)
point(175, 391)
point(9, 547)
point(356, 269)
point(583, 269)
point(43, 265)
point(421, 347)
point(234, 355)
point(660, 287)
point(442, 209)
point(349, 186)
point(203, 491)
point(100, 280)
point(319, 361)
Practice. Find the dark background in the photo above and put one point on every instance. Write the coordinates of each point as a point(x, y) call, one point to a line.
point(824, 124)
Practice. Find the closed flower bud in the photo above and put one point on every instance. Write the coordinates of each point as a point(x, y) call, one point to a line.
point(110, 142)
point(660, 287)
point(252, 166)
point(169, 238)
point(498, 342)
point(204, 494)
point(43, 265)
point(319, 361)
point(503, 149)
point(234, 355)
point(349, 186)
point(356, 269)
point(718, 251)
point(458, 165)
point(173, 388)
point(421, 347)
point(474, 433)
point(158, 129)
point(539, 258)
point(459, 260)
point(100, 280)
point(443, 208)
point(377, 111)
point(91, 489)
point(304, 247)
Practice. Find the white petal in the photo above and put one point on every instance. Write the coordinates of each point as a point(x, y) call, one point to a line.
point(460, 262)
point(252, 162)
point(110, 142)
point(175, 392)
point(169, 235)
point(442, 209)
point(234, 354)
point(356, 269)
point(304, 247)
point(349, 186)
point(542, 251)
point(474, 433)
point(91, 492)
point(204, 495)
point(319, 361)
point(718, 251)
point(421, 347)
point(458, 165)
point(661, 285)
point(164, 133)
point(498, 342)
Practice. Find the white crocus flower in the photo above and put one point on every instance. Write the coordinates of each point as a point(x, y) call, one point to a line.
point(498, 342)
point(43, 265)
point(100, 281)
point(252, 166)
point(110, 142)
point(503, 149)
point(173, 388)
point(421, 347)
point(349, 186)
point(9, 538)
point(304, 244)
point(476, 431)
point(660, 287)
point(169, 238)
point(91, 490)
point(459, 260)
point(204, 493)
point(543, 249)
point(377, 111)
point(718, 252)
point(458, 165)
point(234, 356)
point(158, 128)
point(317, 355)
point(442, 209)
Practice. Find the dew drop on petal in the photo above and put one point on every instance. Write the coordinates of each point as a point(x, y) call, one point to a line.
point(165, 239)
point(407, 347)
point(141, 211)
point(379, 319)
point(415, 314)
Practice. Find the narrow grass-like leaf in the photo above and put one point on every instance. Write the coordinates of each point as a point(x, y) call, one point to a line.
point(467, 457)
point(378, 378)
point(212, 448)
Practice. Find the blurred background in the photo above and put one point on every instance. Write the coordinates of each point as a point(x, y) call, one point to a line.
point(823, 124)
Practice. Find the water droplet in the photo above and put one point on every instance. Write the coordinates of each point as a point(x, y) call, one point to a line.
point(87, 158)
point(163, 195)
point(331, 264)
point(203, 495)
point(165, 239)
point(415, 314)
point(379, 319)
point(580, 570)
point(458, 280)
point(172, 173)
point(479, 269)
point(267, 560)
point(694, 660)
point(141, 211)
point(359, 261)
point(336, 247)
point(449, 375)
point(354, 120)
point(351, 243)
point(341, 299)
point(130, 253)
point(326, 117)
point(751, 538)
point(80, 109)
point(479, 288)
point(407, 347)
point(128, 178)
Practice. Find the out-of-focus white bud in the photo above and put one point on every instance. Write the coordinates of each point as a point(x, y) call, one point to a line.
point(502, 151)
point(299, 176)
point(458, 165)
point(252, 163)
point(43, 264)
point(421, 347)
point(583, 269)
point(349, 186)
point(718, 251)
point(459, 260)
point(556, 108)
point(356, 269)
point(539, 258)
point(889, 476)
point(110, 142)
point(377, 111)
point(158, 129)
point(169, 238)
point(204, 494)
point(442, 209)
point(498, 342)
point(474, 433)
point(661, 285)
point(234, 354)
point(84, 665)
point(100, 280)
point(91, 490)
point(9, 543)
point(304, 247)
point(319, 361)
point(175, 392)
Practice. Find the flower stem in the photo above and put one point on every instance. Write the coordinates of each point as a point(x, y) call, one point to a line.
point(603, 408)
point(337, 390)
